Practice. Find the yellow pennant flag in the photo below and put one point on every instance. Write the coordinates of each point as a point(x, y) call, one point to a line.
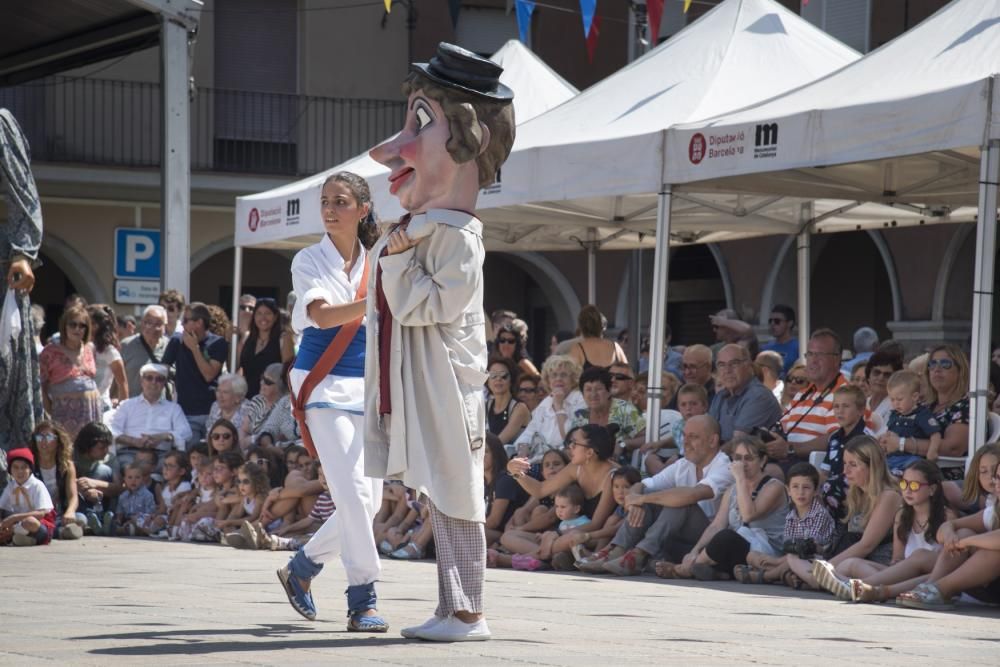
point(388, 6)
point(687, 5)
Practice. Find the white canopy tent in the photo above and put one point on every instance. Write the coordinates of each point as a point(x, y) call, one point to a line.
point(289, 217)
point(591, 168)
point(915, 123)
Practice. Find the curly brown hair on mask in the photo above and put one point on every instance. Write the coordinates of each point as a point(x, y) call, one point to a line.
point(464, 113)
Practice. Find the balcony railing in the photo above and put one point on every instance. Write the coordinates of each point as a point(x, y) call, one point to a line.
point(118, 123)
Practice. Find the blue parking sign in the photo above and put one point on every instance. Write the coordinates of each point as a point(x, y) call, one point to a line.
point(137, 253)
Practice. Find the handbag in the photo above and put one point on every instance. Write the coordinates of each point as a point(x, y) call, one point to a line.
point(334, 351)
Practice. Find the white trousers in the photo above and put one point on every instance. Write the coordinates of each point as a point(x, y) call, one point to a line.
point(339, 440)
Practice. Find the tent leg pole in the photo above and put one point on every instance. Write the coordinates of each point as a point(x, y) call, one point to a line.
point(175, 171)
point(982, 293)
point(803, 256)
point(592, 267)
point(658, 320)
point(237, 289)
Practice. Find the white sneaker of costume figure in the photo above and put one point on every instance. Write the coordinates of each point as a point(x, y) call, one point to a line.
point(448, 629)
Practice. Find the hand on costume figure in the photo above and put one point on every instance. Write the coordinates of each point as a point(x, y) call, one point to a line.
point(20, 276)
point(399, 242)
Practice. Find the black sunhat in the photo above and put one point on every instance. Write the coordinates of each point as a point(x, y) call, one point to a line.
point(459, 69)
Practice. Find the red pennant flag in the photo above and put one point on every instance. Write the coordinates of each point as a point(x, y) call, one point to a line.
point(592, 37)
point(655, 10)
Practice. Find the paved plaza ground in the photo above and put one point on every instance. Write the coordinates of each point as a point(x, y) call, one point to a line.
point(142, 602)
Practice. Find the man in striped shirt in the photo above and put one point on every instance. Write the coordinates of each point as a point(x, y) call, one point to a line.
point(808, 423)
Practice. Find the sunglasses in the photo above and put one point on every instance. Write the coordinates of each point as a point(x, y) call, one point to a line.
point(911, 484)
point(222, 436)
point(76, 325)
point(692, 367)
point(876, 373)
point(243, 481)
point(158, 379)
point(943, 364)
point(507, 341)
point(775, 320)
point(797, 380)
point(503, 375)
point(527, 390)
point(266, 380)
point(45, 437)
point(621, 377)
point(246, 309)
point(171, 309)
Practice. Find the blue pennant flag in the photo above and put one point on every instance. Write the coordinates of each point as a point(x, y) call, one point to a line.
point(524, 9)
point(587, 9)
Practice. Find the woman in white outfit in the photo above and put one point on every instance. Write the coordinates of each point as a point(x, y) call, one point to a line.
point(327, 278)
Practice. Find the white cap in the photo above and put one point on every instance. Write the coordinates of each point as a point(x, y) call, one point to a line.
point(159, 369)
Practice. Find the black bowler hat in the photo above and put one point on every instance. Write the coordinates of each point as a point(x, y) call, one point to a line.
point(454, 67)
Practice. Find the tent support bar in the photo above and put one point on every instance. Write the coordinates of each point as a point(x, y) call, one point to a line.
point(237, 290)
point(803, 255)
point(592, 246)
point(658, 320)
point(982, 293)
point(835, 212)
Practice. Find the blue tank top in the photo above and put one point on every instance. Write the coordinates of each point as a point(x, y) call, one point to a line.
point(314, 344)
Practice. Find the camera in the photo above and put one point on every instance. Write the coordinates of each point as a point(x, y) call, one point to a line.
point(804, 548)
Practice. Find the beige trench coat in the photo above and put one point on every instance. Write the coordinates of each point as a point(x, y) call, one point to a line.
point(434, 438)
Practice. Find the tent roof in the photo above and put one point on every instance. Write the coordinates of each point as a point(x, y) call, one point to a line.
point(740, 52)
point(537, 89)
point(926, 94)
point(44, 37)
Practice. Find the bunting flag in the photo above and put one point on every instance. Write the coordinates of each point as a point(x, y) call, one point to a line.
point(524, 9)
point(592, 37)
point(687, 5)
point(654, 8)
point(388, 6)
point(454, 7)
point(587, 9)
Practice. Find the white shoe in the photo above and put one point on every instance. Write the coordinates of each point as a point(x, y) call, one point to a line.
point(412, 632)
point(453, 630)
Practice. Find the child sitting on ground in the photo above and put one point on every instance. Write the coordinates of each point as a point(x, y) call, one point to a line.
point(293, 501)
point(251, 480)
point(848, 409)
point(172, 491)
point(622, 479)
point(146, 460)
point(908, 421)
point(394, 511)
point(293, 536)
point(692, 400)
point(29, 517)
point(136, 504)
point(194, 505)
point(808, 531)
point(569, 502)
point(393, 537)
point(202, 528)
point(196, 457)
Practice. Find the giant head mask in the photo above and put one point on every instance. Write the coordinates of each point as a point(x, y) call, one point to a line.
point(459, 129)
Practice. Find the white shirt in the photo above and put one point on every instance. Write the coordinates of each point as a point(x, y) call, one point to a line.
point(38, 497)
point(545, 424)
point(715, 476)
point(318, 275)
point(137, 416)
point(105, 377)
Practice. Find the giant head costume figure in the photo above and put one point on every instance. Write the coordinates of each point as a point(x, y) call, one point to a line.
point(459, 130)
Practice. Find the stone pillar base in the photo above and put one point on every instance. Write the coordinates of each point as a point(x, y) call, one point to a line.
point(919, 335)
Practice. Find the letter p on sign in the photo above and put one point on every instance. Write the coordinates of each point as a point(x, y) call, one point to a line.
point(137, 248)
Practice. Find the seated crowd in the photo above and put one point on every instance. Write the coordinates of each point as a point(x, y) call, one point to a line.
point(767, 467)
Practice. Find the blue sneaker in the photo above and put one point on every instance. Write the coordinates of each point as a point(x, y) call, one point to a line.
point(300, 599)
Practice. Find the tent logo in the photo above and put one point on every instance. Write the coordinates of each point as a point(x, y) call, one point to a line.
point(292, 212)
point(254, 219)
point(765, 140)
point(696, 149)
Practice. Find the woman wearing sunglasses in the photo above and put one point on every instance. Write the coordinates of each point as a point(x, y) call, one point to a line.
point(879, 367)
point(68, 370)
point(509, 345)
point(947, 377)
point(53, 452)
point(266, 341)
point(506, 416)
